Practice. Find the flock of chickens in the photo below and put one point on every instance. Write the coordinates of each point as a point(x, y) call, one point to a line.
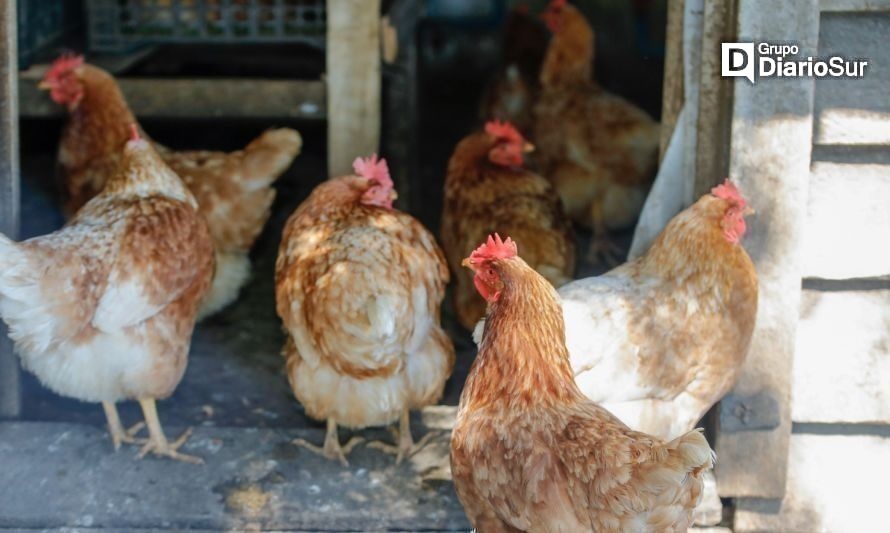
point(103, 309)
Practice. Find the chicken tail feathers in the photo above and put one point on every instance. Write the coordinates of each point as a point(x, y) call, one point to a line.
point(694, 451)
point(269, 155)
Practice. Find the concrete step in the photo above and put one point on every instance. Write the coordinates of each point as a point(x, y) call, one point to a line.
point(55, 475)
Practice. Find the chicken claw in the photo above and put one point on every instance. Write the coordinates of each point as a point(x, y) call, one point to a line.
point(331, 449)
point(119, 435)
point(406, 447)
point(157, 441)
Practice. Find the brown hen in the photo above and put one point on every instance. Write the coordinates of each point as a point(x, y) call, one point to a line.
point(530, 452)
point(358, 286)
point(233, 190)
point(598, 149)
point(103, 309)
point(488, 189)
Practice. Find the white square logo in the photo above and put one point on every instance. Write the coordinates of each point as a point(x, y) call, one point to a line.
point(737, 60)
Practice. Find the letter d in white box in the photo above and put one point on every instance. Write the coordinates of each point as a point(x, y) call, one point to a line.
point(737, 59)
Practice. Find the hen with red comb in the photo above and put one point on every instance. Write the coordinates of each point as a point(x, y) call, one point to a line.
point(358, 285)
point(489, 189)
point(234, 190)
point(599, 150)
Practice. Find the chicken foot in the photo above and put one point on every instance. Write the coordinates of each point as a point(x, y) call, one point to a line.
point(331, 449)
point(406, 447)
point(118, 434)
point(601, 247)
point(157, 441)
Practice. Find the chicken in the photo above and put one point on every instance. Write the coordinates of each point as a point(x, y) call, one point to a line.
point(511, 93)
point(358, 285)
point(487, 189)
point(233, 190)
point(659, 340)
point(103, 309)
point(598, 149)
point(529, 452)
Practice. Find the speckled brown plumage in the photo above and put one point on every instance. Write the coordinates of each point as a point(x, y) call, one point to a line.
point(233, 190)
point(103, 309)
point(482, 197)
point(530, 453)
point(599, 150)
point(358, 288)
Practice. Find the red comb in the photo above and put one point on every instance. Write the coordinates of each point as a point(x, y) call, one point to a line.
point(494, 248)
point(728, 191)
point(134, 132)
point(65, 63)
point(551, 15)
point(503, 131)
point(373, 169)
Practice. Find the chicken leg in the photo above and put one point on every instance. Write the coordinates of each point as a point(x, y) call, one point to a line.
point(118, 434)
point(331, 449)
point(406, 446)
point(157, 441)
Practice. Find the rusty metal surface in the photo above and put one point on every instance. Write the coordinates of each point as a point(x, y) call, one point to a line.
point(10, 396)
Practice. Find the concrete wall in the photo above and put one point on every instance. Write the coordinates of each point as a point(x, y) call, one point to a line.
point(839, 453)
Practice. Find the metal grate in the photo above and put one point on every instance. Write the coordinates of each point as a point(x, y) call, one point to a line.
point(42, 23)
point(121, 25)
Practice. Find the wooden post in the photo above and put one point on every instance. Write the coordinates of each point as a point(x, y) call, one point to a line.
point(772, 126)
point(353, 79)
point(401, 142)
point(672, 88)
point(714, 99)
point(10, 394)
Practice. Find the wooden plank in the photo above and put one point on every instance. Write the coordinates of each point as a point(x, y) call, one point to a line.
point(854, 110)
point(198, 98)
point(672, 88)
point(841, 366)
point(714, 98)
point(353, 78)
point(10, 394)
point(826, 491)
point(848, 223)
point(770, 160)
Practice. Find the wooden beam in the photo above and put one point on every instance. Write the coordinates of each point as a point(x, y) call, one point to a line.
point(772, 126)
point(353, 78)
point(197, 98)
point(400, 106)
point(672, 88)
point(714, 98)
point(10, 393)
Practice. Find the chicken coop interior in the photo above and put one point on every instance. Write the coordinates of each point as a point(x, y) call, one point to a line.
point(798, 417)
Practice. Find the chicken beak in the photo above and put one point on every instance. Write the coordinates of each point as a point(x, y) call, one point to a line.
point(528, 148)
point(467, 263)
point(393, 195)
point(44, 85)
point(749, 211)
